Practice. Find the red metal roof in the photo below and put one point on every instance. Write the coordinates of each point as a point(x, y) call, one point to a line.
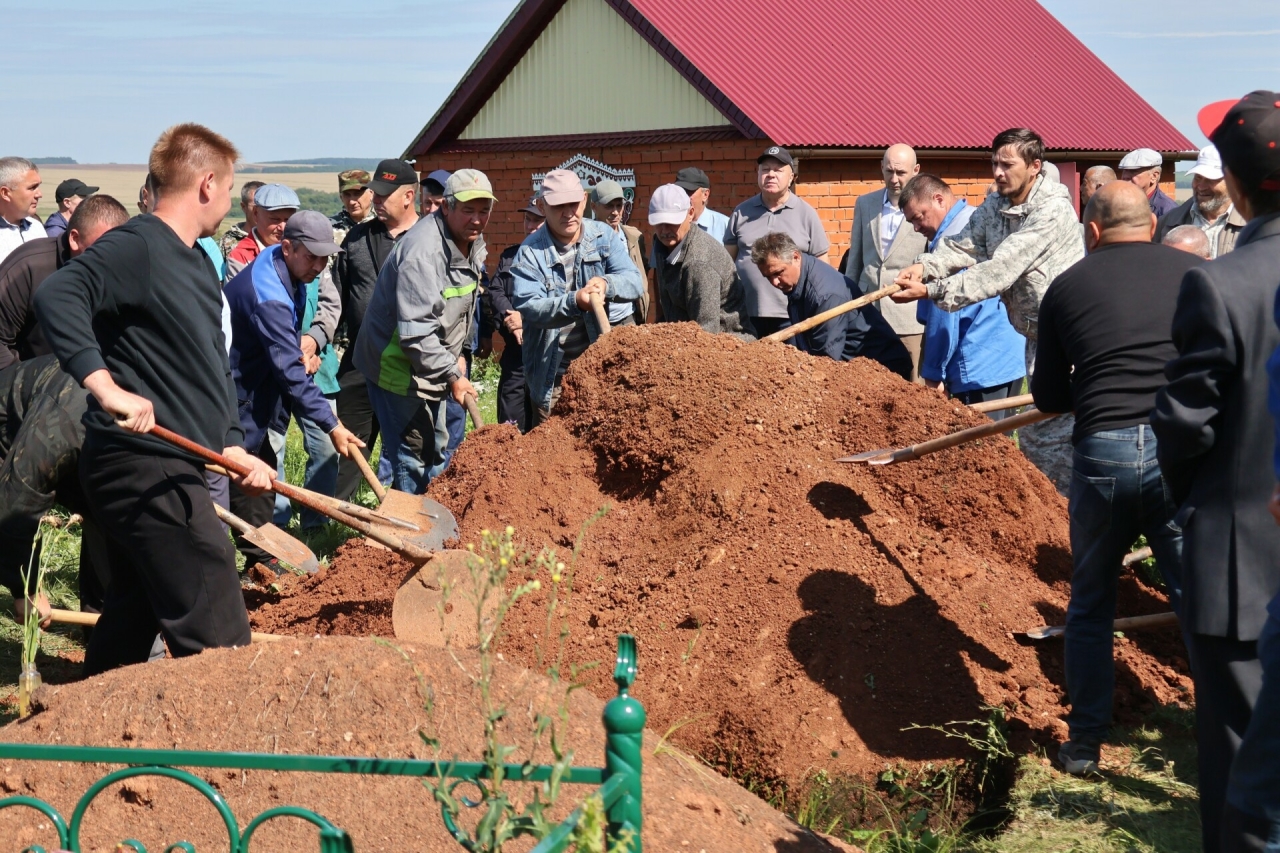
point(941, 74)
point(931, 73)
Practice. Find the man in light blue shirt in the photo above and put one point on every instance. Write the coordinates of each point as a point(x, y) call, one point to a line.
point(973, 354)
point(695, 182)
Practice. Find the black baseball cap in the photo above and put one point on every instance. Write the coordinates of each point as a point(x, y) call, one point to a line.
point(778, 153)
point(1249, 140)
point(391, 175)
point(691, 178)
point(73, 187)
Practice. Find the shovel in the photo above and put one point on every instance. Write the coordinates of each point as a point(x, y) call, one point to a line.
point(602, 316)
point(394, 503)
point(319, 503)
point(75, 617)
point(1154, 620)
point(1000, 405)
point(274, 541)
point(819, 319)
point(890, 456)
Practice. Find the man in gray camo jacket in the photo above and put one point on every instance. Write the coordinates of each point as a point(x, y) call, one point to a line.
point(1015, 244)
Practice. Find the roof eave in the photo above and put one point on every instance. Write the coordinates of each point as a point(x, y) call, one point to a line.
point(517, 33)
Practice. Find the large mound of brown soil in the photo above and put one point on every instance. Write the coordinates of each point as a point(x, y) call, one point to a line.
point(338, 696)
point(793, 612)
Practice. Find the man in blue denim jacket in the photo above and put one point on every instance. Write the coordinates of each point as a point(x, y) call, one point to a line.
point(556, 271)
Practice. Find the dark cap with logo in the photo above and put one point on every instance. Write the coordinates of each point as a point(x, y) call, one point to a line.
point(1249, 140)
point(391, 175)
point(692, 178)
point(73, 187)
point(777, 152)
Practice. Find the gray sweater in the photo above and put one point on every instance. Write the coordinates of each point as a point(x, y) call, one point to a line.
point(702, 285)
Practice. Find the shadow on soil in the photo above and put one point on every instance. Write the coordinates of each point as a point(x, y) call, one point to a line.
point(885, 664)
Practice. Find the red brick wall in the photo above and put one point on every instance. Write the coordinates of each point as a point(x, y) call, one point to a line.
point(831, 185)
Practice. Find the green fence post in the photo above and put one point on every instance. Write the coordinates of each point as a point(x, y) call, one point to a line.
point(624, 746)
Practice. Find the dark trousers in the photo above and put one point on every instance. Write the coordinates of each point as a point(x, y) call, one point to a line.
point(996, 392)
point(766, 326)
point(514, 405)
point(1253, 795)
point(257, 510)
point(356, 413)
point(172, 569)
point(1228, 678)
point(1117, 492)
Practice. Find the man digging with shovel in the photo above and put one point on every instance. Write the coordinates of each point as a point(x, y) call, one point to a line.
point(1015, 244)
point(267, 300)
point(138, 322)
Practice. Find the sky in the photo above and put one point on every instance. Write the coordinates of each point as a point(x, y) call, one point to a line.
point(295, 79)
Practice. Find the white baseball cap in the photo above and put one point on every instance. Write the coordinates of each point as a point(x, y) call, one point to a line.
point(669, 205)
point(1208, 164)
point(1142, 158)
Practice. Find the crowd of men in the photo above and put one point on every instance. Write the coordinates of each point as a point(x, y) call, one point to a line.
point(1151, 322)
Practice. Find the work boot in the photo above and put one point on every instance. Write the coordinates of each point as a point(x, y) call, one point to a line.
point(1079, 757)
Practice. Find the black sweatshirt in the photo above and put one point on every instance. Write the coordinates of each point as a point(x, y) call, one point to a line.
point(148, 308)
point(1110, 318)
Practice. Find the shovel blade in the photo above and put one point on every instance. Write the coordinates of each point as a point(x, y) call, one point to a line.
point(437, 524)
point(284, 547)
point(870, 456)
point(1044, 632)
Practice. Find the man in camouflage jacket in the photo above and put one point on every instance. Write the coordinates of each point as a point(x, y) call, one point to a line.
point(1011, 247)
point(1015, 245)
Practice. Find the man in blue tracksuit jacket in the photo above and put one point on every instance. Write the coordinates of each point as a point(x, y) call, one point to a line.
point(813, 286)
point(268, 300)
point(973, 354)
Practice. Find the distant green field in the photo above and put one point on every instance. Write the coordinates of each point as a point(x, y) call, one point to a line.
point(123, 181)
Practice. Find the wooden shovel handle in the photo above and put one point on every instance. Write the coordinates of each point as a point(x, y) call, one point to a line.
point(819, 319)
point(964, 436)
point(1006, 403)
point(75, 617)
point(369, 477)
point(302, 496)
point(602, 316)
point(235, 522)
point(473, 409)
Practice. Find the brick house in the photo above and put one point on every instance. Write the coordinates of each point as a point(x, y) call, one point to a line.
point(636, 89)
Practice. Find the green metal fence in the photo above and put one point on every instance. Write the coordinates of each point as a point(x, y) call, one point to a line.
point(619, 779)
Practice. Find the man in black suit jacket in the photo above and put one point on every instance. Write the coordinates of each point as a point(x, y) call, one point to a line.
point(1215, 447)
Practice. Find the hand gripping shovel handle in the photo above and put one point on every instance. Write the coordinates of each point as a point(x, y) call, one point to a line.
point(76, 617)
point(819, 319)
point(302, 496)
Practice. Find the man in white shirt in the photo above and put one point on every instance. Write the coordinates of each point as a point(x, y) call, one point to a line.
point(19, 196)
point(879, 247)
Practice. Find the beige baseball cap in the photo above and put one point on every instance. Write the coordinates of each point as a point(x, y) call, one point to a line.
point(468, 185)
point(560, 186)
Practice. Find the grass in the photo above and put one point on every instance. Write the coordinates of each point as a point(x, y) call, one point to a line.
point(1144, 801)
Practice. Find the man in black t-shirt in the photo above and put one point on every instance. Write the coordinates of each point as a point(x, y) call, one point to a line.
point(138, 322)
point(1105, 336)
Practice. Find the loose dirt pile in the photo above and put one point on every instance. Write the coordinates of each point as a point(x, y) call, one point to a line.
point(337, 696)
point(794, 613)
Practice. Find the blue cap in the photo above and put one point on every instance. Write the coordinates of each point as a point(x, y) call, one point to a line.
point(276, 197)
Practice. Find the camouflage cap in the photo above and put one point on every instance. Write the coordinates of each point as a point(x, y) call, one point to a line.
point(353, 179)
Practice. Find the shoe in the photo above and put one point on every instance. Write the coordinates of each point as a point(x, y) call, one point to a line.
point(1080, 757)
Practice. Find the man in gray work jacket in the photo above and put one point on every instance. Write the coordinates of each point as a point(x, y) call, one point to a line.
point(419, 318)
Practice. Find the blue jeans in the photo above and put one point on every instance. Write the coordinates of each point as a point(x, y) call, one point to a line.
point(395, 414)
point(1117, 492)
point(321, 473)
